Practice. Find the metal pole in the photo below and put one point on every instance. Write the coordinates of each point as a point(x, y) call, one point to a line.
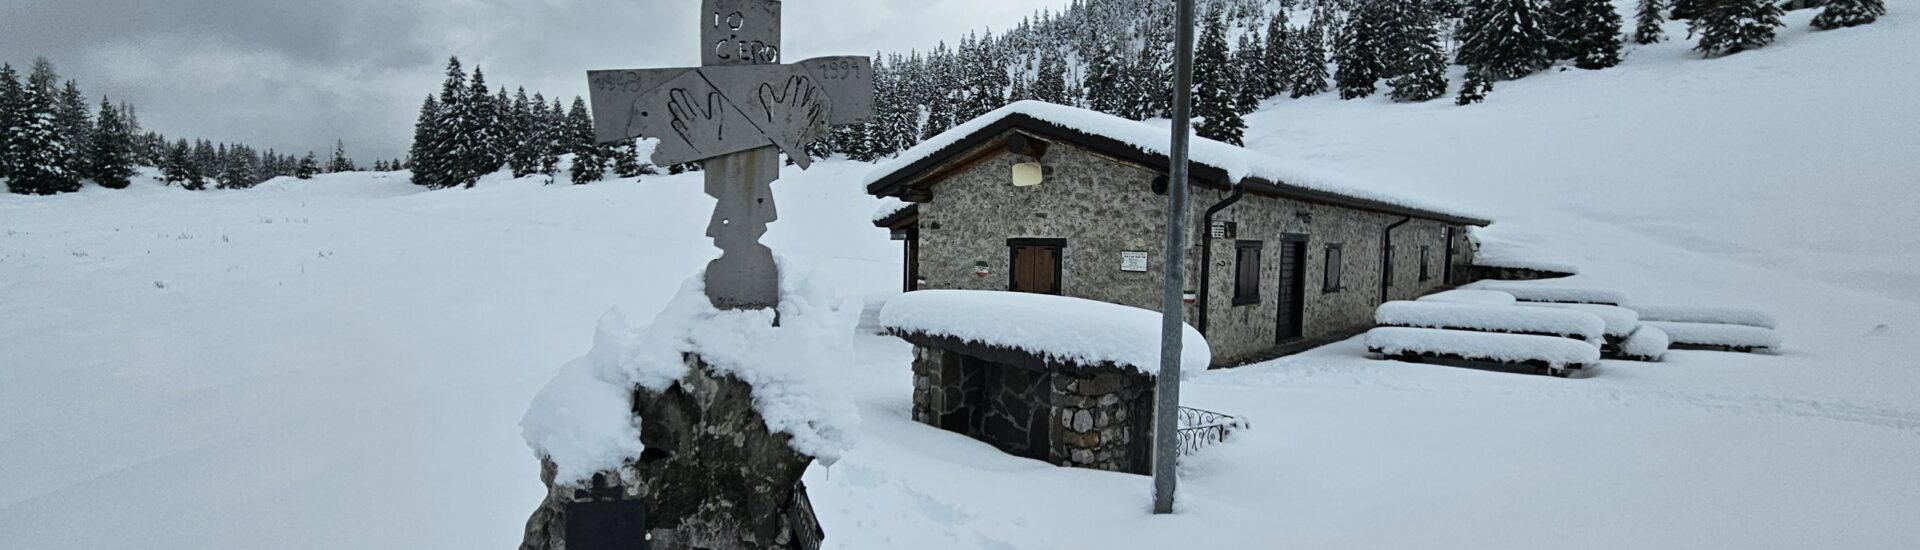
point(1166, 409)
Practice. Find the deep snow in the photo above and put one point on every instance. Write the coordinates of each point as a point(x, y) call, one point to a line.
point(343, 363)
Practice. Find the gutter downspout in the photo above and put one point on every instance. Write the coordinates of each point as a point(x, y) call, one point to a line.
point(1386, 257)
point(1206, 251)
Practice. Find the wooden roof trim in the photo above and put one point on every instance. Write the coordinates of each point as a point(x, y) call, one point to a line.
point(970, 149)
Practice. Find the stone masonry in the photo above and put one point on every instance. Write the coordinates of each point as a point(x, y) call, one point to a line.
point(1068, 415)
point(713, 477)
point(1102, 207)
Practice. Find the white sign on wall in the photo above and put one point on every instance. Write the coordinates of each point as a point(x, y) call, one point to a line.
point(1133, 261)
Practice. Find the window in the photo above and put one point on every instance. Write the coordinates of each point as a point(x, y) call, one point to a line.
point(1426, 271)
point(1334, 265)
point(1246, 279)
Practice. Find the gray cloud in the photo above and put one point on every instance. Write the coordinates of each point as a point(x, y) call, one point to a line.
point(295, 75)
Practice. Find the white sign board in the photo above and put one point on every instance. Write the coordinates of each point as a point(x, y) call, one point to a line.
point(1133, 261)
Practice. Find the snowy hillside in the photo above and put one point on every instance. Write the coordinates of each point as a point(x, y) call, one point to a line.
point(342, 363)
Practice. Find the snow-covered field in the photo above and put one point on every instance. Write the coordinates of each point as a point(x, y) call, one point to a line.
point(343, 363)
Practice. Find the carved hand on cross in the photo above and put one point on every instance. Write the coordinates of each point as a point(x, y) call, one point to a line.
point(798, 112)
point(699, 126)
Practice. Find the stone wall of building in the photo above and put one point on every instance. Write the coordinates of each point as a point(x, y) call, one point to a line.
point(1102, 207)
point(1239, 331)
point(1099, 206)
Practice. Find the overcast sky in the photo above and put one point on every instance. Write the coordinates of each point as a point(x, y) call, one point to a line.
point(294, 75)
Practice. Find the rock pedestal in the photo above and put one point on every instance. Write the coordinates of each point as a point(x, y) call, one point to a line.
point(712, 477)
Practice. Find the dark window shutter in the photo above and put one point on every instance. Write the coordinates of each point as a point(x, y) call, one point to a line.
point(1334, 265)
point(1426, 271)
point(1246, 282)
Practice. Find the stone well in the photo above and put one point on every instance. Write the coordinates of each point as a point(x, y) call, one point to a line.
point(1067, 414)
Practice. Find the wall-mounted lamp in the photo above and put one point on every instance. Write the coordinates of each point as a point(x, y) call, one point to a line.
point(1029, 174)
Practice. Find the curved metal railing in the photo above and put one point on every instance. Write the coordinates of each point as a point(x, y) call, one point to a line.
point(1200, 428)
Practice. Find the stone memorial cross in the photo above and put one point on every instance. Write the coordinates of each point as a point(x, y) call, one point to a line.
point(737, 112)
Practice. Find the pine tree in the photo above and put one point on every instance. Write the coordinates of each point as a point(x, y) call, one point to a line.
point(1476, 87)
point(1587, 32)
point(625, 157)
point(39, 154)
point(76, 129)
point(524, 159)
point(1216, 94)
point(1251, 85)
point(986, 79)
point(1685, 10)
point(340, 162)
point(178, 168)
point(1849, 13)
point(554, 132)
point(1360, 50)
point(1426, 78)
point(1733, 26)
point(1281, 61)
point(1309, 76)
point(589, 162)
point(110, 155)
point(425, 153)
point(1505, 38)
point(12, 116)
point(1051, 83)
point(478, 126)
point(1647, 29)
point(236, 172)
point(1105, 80)
point(309, 166)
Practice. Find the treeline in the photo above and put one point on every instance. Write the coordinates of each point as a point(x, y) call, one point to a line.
point(469, 130)
point(55, 139)
point(1115, 56)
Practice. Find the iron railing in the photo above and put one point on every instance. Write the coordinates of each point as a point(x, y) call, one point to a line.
point(1200, 428)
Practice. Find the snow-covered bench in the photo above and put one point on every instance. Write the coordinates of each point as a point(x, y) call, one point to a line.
point(1740, 338)
point(1535, 321)
point(1648, 344)
point(1708, 315)
point(1554, 294)
point(1553, 355)
point(1470, 296)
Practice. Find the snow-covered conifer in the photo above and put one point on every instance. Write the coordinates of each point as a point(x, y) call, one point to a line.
point(1309, 75)
point(1733, 26)
point(1646, 28)
point(425, 153)
point(1849, 13)
point(1426, 68)
point(1216, 84)
point(339, 162)
point(1587, 32)
point(1504, 38)
point(309, 166)
point(110, 153)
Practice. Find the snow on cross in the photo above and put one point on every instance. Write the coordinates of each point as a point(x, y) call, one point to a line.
point(736, 112)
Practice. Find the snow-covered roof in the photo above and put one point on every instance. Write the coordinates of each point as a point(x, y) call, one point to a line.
point(1152, 145)
point(889, 206)
point(1056, 327)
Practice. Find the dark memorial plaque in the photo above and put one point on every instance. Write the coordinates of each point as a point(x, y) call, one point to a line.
point(618, 525)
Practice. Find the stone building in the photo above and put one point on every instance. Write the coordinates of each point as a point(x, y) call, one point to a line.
point(1043, 198)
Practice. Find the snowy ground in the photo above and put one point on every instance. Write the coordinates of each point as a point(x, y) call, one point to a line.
point(342, 363)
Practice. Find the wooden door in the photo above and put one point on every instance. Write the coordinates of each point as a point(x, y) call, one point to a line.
point(1293, 290)
point(1036, 268)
